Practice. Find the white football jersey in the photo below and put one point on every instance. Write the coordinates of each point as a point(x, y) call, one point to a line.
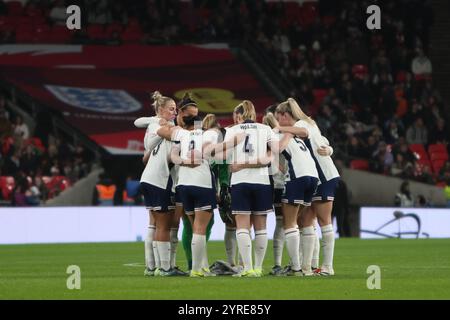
point(253, 147)
point(157, 172)
point(151, 139)
point(324, 164)
point(200, 176)
point(299, 159)
point(279, 177)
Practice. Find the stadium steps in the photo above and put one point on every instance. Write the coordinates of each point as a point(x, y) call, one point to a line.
point(440, 47)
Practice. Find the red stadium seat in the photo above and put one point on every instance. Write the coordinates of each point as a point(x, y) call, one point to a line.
point(132, 36)
point(42, 34)
point(441, 184)
point(328, 20)
point(7, 185)
point(419, 148)
point(60, 34)
point(96, 31)
point(23, 21)
point(437, 165)
point(24, 36)
point(114, 27)
point(419, 151)
point(359, 164)
point(439, 156)
point(14, 8)
point(437, 148)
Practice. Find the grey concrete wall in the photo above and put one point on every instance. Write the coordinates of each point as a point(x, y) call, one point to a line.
point(370, 189)
point(80, 194)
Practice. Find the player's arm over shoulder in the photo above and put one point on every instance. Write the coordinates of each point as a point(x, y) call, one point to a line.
point(144, 122)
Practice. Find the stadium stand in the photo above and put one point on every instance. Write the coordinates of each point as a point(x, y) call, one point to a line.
point(372, 93)
point(30, 172)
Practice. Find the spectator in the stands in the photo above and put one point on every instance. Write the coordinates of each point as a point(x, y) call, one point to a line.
point(21, 128)
point(33, 195)
point(421, 65)
point(98, 11)
point(399, 167)
point(29, 160)
point(404, 198)
point(421, 202)
point(58, 13)
point(444, 173)
point(6, 128)
point(11, 165)
point(417, 133)
point(355, 148)
point(19, 197)
point(384, 156)
point(394, 130)
point(426, 175)
point(439, 133)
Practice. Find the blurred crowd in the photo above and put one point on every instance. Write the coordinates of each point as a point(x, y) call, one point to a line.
point(31, 172)
point(371, 92)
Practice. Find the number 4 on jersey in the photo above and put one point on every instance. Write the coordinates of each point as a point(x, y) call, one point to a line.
point(248, 147)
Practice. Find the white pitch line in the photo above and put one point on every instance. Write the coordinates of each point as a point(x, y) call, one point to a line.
point(134, 264)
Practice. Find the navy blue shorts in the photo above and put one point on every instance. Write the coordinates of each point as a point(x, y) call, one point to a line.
point(300, 191)
point(177, 198)
point(157, 199)
point(277, 196)
point(250, 198)
point(197, 198)
point(326, 191)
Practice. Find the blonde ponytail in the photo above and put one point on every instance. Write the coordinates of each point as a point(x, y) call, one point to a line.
point(159, 101)
point(291, 106)
point(209, 122)
point(270, 120)
point(247, 110)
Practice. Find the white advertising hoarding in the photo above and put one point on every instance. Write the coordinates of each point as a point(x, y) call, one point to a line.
point(404, 223)
point(86, 224)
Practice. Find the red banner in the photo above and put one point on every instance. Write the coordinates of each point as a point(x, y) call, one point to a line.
point(101, 90)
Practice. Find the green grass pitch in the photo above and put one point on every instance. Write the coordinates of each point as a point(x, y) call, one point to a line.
point(410, 269)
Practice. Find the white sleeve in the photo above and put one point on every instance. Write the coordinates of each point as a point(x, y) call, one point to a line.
point(228, 134)
point(301, 124)
point(210, 136)
point(144, 122)
point(178, 135)
point(272, 136)
point(151, 139)
point(327, 144)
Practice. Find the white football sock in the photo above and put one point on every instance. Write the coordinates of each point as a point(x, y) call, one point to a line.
point(198, 247)
point(308, 248)
point(260, 247)
point(292, 243)
point(173, 246)
point(300, 247)
point(164, 254)
point(316, 252)
point(245, 247)
point(156, 254)
point(231, 245)
point(148, 245)
point(328, 245)
point(278, 241)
